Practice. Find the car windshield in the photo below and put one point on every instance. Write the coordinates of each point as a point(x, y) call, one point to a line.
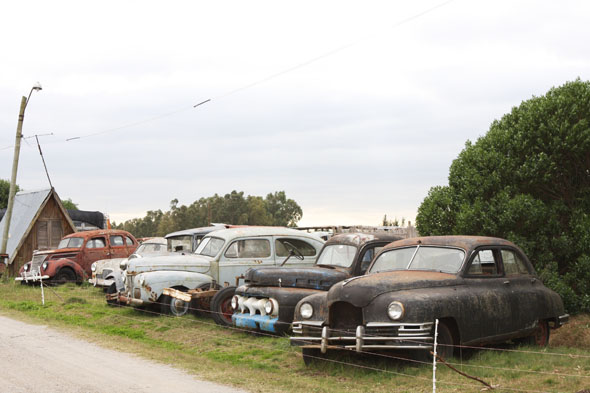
point(209, 246)
point(337, 255)
point(180, 243)
point(71, 242)
point(440, 259)
point(150, 248)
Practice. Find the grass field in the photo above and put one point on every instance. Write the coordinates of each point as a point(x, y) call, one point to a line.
point(270, 364)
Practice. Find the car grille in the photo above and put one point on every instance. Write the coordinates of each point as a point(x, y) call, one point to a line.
point(36, 262)
point(344, 317)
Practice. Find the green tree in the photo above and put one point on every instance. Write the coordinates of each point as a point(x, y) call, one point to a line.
point(283, 211)
point(4, 191)
point(69, 204)
point(527, 180)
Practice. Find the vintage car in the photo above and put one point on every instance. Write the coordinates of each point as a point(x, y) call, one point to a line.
point(267, 299)
point(72, 260)
point(220, 258)
point(482, 290)
point(102, 270)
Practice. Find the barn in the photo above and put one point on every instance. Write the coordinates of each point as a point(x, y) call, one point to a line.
point(39, 221)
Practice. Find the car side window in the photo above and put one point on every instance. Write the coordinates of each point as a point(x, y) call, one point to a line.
point(484, 264)
point(129, 241)
point(513, 264)
point(282, 249)
point(97, 242)
point(367, 258)
point(117, 240)
point(248, 248)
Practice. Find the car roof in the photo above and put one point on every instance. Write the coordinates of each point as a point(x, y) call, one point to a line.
point(359, 238)
point(155, 240)
point(252, 231)
point(197, 231)
point(96, 232)
point(464, 242)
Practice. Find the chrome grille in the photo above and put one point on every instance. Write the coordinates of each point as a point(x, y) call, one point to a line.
point(36, 262)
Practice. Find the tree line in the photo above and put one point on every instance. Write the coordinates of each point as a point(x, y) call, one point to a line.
point(527, 180)
point(234, 208)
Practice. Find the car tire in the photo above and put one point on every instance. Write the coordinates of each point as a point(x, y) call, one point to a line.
point(311, 355)
point(221, 310)
point(446, 342)
point(109, 291)
point(540, 338)
point(64, 276)
point(170, 305)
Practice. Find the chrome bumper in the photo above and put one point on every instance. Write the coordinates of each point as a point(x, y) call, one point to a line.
point(402, 336)
point(32, 278)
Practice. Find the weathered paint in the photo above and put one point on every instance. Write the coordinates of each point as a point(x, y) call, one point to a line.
point(479, 309)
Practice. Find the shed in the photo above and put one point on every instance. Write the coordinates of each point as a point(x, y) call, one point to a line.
point(39, 221)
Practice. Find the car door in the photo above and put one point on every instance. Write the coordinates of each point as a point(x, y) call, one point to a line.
point(490, 305)
point(96, 249)
point(283, 246)
point(242, 254)
point(118, 248)
point(523, 288)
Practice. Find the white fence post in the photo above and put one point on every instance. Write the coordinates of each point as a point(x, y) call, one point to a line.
point(434, 357)
point(42, 292)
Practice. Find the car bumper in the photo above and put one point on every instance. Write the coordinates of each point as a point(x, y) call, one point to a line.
point(372, 336)
point(257, 322)
point(32, 278)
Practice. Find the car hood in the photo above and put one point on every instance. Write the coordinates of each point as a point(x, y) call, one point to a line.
point(111, 264)
point(65, 251)
point(311, 277)
point(182, 262)
point(360, 291)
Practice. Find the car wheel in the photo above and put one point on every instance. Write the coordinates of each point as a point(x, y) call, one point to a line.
point(109, 291)
point(446, 342)
point(311, 355)
point(540, 337)
point(64, 276)
point(170, 305)
point(221, 310)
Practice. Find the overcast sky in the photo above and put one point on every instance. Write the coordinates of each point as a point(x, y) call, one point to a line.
point(363, 131)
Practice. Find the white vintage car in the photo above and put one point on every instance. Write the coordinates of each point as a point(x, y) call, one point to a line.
point(220, 257)
point(102, 270)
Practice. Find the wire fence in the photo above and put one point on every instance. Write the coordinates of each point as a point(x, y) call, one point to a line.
point(95, 295)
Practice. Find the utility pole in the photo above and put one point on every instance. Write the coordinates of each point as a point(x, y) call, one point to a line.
point(19, 136)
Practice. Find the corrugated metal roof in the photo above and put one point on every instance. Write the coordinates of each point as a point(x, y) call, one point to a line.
point(26, 206)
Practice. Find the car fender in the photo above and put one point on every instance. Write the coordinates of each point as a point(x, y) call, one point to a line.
point(152, 284)
point(53, 267)
point(118, 277)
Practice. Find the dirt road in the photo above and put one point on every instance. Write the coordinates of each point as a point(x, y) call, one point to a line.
point(39, 359)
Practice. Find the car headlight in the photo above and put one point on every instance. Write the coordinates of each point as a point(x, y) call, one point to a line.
point(44, 265)
point(268, 307)
point(27, 267)
point(306, 310)
point(395, 310)
point(123, 264)
point(92, 267)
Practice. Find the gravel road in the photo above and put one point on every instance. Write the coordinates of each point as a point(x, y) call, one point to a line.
point(36, 358)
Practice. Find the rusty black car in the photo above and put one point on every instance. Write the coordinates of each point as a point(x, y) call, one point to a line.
point(267, 299)
point(482, 290)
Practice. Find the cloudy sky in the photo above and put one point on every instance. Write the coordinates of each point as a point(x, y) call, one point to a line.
point(360, 109)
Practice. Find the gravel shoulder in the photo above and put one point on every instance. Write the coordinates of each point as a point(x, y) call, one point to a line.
point(36, 358)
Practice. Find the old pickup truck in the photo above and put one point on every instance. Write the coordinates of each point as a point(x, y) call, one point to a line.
point(72, 259)
point(267, 299)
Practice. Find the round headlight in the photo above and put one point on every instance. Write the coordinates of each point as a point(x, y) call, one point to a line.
point(395, 310)
point(234, 302)
point(27, 267)
point(44, 265)
point(306, 310)
point(268, 307)
point(93, 266)
point(123, 264)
